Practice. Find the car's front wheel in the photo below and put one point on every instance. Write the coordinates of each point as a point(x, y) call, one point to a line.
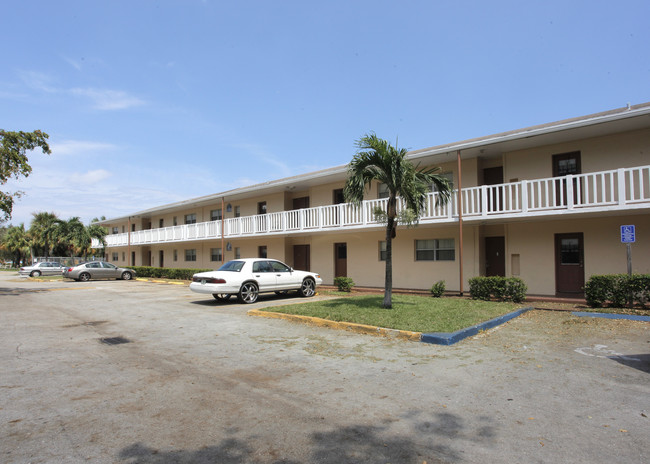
point(308, 288)
point(221, 296)
point(248, 293)
point(35, 274)
point(127, 275)
point(84, 277)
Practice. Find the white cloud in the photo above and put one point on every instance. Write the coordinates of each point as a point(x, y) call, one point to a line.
point(90, 177)
point(38, 81)
point(79, 147)
point(104, 99)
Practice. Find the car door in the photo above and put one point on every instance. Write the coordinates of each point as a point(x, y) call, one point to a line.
point(94, 269)
point(109, 271)
point(285, 278)
point(48, 268)
point(264, 275)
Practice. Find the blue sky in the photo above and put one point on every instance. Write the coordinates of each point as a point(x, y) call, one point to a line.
point(152, 102)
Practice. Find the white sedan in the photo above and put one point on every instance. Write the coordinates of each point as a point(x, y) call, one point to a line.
point(249, 277)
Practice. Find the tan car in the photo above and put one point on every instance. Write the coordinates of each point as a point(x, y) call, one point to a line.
point(42, 268)
point(98, 270)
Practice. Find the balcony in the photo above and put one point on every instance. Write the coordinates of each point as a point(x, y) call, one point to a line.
point(620, 189)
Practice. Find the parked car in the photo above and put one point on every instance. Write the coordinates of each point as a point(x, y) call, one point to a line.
point(42, 268)
point(249, 277)
point(98, 270)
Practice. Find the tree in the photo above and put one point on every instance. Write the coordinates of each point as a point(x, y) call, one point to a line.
point(14, 162)
point(45, 231)
point(377, 160)
point(16, 242)
point(77, 237)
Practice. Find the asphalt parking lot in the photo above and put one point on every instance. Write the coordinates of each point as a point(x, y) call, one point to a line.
point(202, 382)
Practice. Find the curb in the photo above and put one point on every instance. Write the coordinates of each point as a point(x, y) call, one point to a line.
point(350, 326)
point(449, 338)
point(436, 338)
point(629, 317)
point(156, 281)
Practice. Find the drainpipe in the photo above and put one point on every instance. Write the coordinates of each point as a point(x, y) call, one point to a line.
point(223, 221)
point(460, 223)
point(129, 240)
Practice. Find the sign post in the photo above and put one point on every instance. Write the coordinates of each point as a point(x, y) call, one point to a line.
point(628, 236)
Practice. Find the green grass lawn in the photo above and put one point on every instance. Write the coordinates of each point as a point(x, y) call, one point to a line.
point(409, 312)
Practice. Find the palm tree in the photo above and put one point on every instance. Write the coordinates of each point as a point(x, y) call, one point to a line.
point(377, 160)
point(98, 232)
point(77, 238)
point(16, 241)
point(44, 230)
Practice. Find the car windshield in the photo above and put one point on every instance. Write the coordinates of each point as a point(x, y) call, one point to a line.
point(232, 266)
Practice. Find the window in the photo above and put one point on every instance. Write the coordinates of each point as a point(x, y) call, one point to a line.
point(115, 256)
point(215, 254)
point(132, 227)
point(215, 215)
point(261, 251)
point(123, 229)
point(237, 253)
point(190, 255)
point(161, 223)
point(382, 251)
point(190, 218)
point(175, 255)
point(123, 256)
point(175, 222)
point(450, 178)
point(435, 250)
point(115, 230)
point(261, 207)
point(382, 191)
point(237, 211)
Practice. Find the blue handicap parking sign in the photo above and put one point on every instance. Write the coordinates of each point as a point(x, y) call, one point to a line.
point(628, 234)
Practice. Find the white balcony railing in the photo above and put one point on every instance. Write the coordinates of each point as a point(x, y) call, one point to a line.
point(618, 189)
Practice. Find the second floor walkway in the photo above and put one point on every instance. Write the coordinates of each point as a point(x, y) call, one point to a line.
point(620, 189)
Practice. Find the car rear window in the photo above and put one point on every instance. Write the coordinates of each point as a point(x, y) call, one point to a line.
point(232, 266)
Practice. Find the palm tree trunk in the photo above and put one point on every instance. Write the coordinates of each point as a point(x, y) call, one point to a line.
point(388, 285)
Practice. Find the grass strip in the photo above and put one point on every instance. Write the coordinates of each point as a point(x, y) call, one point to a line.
point(409, 312)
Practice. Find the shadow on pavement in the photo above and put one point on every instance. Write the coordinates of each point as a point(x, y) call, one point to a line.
point(348, 444)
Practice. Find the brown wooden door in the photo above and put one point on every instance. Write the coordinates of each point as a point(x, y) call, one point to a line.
point(494, 176)
point(566, 164)
point(495, 256)
point(301, 257)
point(340, 260)
point(301, 203)
point(569, 265)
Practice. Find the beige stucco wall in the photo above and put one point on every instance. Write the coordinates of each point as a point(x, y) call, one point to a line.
point(534, 242)
point(596, 154)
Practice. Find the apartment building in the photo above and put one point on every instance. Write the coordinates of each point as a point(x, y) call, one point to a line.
point(545, 203)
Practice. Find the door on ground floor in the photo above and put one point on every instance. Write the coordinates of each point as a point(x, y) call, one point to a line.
point(301, 257)
point(495, 256)
point(340, 260)
point(569, 265)
point(161, 258)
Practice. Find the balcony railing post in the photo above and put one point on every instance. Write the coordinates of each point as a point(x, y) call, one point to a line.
point(569, 192)
point(320, 217)
point(524, 196)
point(621, 186)
point(484, 200)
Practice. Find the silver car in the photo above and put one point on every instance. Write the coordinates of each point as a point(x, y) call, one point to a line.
point(98, 270)
point(42, 268)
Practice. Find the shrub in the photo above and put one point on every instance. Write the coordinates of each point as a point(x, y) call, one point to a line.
point(344, 284)
point(166, 272)
point(617, 290)
point(438, 289)
point(498, 288)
